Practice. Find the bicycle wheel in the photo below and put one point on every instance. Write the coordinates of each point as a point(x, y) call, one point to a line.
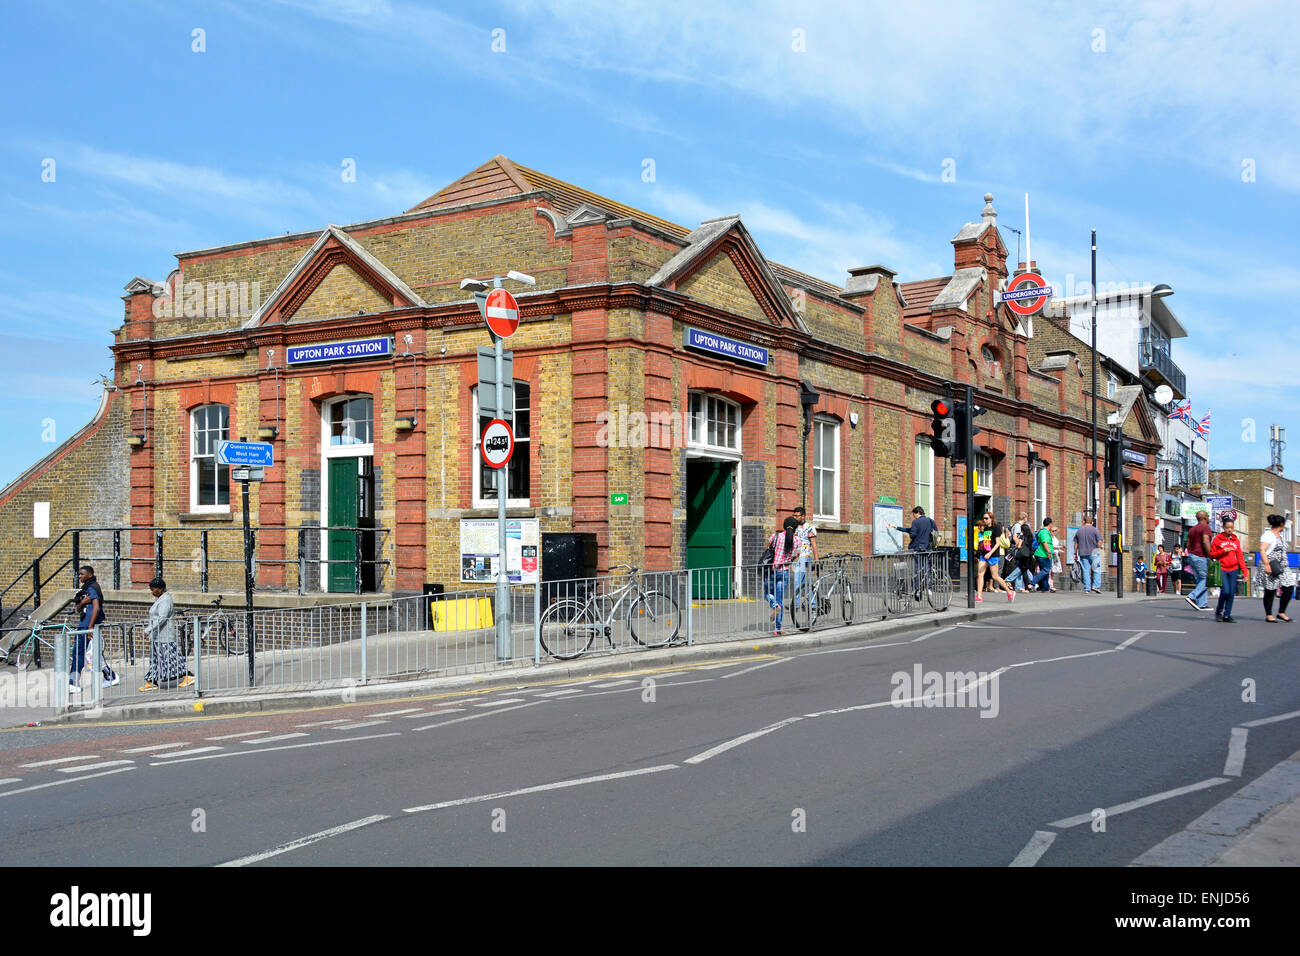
point(803, 602)
point(232, 642)
point(567, 629)
point(846, 601)
point(896, 588)
point(938, 590)
point(654, 619)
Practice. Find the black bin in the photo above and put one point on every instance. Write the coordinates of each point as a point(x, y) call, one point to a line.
point(566, 555)
point(1152, 584)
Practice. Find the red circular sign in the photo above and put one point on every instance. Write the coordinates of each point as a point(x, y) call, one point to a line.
point(498, 443)
point(1029, 304)
point(502, 313)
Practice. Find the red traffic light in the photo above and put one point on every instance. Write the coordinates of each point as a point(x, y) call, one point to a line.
point(940, 407)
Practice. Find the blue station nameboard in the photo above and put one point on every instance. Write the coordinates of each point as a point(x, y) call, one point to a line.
point(377, 347)
point(727, 348)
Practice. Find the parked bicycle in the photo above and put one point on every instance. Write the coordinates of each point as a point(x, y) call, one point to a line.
point(569, 627)
point(218, 629)
point(831, 592)
point(904, 585)
point(25, 651)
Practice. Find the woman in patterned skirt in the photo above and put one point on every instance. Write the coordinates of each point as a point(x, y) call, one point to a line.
point(165, 661)
point(1272, 556)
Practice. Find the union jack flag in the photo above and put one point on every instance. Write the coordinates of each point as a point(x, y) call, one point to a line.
point(1203, 426)
point(1181, 410)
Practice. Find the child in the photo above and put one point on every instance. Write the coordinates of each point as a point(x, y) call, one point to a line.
point(1140, 573)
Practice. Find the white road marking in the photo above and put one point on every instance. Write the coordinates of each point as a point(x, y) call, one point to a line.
point(746, 670)
point(51, 763)
point(559, 693)
point(182, 753)
point(1272, 720)
point(95, 766)
point(359, 725)
point(305, 841)
point(1132, 640)
point(428, 713)
point(486, 713)
point(397, 713)
point(1034, 849)
point(59, 783)
point(145, 750)
point(263, 750)
point(1236, 752)
point(1053, 627)
point(10, 780)
point(669, 674)
point(614, 683)
point(926, 637)
point(1141, 802)
point(559, 785)
point(860, 647)
point(247, 733)
point(1067, 657)
point(499, 703)
point(268, 740)
point(746, 738)
point(326, 723)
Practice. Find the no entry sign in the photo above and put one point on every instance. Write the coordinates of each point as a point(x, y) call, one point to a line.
point(498, 444)
point(502, 313)
point(1027, 293)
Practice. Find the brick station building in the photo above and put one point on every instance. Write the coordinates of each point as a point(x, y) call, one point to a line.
point(675, 365)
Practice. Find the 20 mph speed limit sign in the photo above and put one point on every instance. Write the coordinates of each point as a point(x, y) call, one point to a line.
point(498, 444)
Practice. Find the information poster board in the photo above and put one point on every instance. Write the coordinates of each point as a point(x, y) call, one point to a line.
point(885, 537)
point(1069, 544)
point(479, 554)
point(961, 535)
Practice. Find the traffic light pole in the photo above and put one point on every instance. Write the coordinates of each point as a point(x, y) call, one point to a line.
point(967, 440)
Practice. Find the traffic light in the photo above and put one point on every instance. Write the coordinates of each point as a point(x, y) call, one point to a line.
point(966, 430)
point(943, 430)
point(1116, 445)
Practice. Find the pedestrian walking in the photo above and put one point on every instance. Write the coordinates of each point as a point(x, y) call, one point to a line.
point(165, 661)
point(1276, 578)
point(784, 547)
point(1163, 561)
point(1044, 551)
point(1087, 541)
point(88, 605)
point(1140, 570)
point(1226, 548)
point(807, 557)
point(1025, 553)
point(1198, 556)
point(1177, 563)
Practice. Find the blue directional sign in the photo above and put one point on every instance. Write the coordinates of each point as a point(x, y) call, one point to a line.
point(255, 453)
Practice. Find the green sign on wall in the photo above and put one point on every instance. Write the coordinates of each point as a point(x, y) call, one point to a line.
point(618, 499)
point(888, 500)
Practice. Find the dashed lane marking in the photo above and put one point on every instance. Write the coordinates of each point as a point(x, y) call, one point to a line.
point(562, 693)
point(559, 785)
point(305, 841)
point(612, 683)
point(182, 753)
point(499, 703)
point(10, 780)
point(398, 713)
point(358, 726)
point(51, 763)
point(59, 783)
point(746, 738)
point(152, 747)
point(95, 766)
point(430, 713)
point(757, 667)
point(247, 733)
point(269, 740)
point(486, 713)
point(326, 723)
point(263, 750)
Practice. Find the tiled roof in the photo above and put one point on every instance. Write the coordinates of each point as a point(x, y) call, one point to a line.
point(500, 177)
point(920, 295)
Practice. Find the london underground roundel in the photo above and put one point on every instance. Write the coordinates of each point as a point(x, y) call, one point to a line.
point(498, 443)
point(1027, 293)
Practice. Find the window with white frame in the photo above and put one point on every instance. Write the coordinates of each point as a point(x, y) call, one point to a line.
point(826, 468)
point(1111, 385)
point(1040, 495)
point(351, 421)
point(923, 455)
point(714, 423)
point(983, 473)
point(485, 479)
point(209, 480)
point(1268, 495)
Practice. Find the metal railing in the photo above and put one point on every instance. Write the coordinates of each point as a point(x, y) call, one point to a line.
point(396, 639)
point(1158, 360)
point(66, 553)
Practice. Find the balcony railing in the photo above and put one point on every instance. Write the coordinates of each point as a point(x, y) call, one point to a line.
point(1158, 363)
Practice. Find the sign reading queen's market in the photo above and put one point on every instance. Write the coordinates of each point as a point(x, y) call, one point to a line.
point(728, 348)
point(377, 347)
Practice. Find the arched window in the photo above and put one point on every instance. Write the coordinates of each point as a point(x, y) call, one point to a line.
point(485, 479)
point(351, 421)
point(209, 480)
point(714, 423)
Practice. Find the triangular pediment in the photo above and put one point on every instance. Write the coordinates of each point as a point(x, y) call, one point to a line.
point(722, 266)
point(336, 276)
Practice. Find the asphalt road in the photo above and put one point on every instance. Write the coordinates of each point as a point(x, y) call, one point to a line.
point(773, 759)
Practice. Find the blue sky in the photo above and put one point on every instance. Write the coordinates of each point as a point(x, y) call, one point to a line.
point(1170, 128)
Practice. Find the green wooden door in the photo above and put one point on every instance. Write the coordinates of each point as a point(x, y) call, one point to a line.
point(342, 511)
point(708, 526)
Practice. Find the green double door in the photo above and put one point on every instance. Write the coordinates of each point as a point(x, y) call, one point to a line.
point(709, 526)
point(351, 505)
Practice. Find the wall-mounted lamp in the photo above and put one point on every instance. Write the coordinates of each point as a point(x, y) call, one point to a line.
point(135, 441)
point(407, 423)
point(269, 432)
point(138, 440)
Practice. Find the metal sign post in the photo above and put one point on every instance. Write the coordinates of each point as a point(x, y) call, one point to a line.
point(971, 532)
point(243, 475)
